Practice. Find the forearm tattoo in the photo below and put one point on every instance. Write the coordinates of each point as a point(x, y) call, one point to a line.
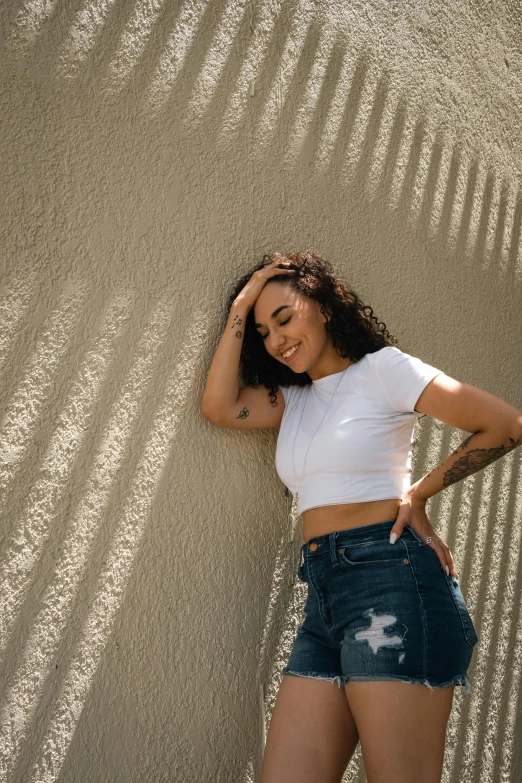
point(243, 413)
point(475, 460)
point(237, 322)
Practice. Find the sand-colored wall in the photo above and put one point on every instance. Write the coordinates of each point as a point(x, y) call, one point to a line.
point(151, 152)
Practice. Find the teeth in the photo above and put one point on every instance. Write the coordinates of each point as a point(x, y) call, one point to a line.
point(290, 352)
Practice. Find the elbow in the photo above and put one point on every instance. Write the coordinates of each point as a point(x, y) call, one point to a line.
point(208, 413)
point(510, 429)
point(513, 433)
point(518, 430)
point(205, 411)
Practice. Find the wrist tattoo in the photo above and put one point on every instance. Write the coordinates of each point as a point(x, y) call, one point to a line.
point(236, 322)
point(243, 413)
point(239, 334)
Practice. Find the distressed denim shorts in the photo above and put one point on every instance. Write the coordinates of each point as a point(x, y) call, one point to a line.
point(381, 611)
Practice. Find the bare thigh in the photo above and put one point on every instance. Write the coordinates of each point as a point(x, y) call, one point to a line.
point(312, 733)
point(402, 729)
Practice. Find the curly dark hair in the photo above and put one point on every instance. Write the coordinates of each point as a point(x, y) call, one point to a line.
point(353, 326)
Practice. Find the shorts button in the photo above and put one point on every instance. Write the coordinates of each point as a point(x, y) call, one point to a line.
point(405, 560)
point(342, 549)
point(313, 547)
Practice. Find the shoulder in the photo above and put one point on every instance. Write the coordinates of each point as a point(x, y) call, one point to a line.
point(391, 359)
point(383, 361)
point(390, 354)
point(402, 377)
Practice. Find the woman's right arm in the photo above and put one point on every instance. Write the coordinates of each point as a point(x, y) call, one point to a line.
point(223, 402)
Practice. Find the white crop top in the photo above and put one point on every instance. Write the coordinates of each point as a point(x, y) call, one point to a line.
point(362, 450)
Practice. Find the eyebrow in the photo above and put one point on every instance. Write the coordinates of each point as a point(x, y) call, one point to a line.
point(278, 310)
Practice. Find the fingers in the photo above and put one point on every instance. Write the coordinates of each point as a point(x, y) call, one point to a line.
point(277, 260)
point(445, 557)
point(277, 267)
point(440, 547)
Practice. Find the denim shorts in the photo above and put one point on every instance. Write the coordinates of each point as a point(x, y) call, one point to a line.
point(381, 611)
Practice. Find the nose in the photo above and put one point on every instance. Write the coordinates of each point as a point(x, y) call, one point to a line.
point(276, 348)
point(277, 341)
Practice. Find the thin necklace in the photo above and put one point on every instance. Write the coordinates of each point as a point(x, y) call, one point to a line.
point(296, 497)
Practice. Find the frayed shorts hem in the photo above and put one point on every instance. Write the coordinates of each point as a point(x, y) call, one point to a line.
point(459, 679)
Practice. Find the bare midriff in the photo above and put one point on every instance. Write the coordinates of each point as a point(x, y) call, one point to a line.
point(329, 519)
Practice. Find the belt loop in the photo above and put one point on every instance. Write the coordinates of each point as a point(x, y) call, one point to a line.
point(333, 544)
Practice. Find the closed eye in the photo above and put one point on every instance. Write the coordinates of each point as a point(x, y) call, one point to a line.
point(264, 336)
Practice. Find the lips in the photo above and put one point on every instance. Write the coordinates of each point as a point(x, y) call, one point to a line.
point(294, 353)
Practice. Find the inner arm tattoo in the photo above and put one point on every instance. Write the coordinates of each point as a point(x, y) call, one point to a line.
point(244, 412)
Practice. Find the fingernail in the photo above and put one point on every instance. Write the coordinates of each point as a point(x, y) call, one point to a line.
point(447, 570)
point(393, 538)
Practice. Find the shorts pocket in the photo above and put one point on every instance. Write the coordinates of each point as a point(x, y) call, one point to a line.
point(416, 535)
point(373, 553)
point(460, 603)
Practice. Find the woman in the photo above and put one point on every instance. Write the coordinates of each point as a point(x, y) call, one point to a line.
point(384, 622)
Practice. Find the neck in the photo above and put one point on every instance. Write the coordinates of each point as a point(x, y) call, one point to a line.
point(329, 367)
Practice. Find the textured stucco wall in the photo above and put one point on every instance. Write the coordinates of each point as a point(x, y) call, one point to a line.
point(150, 152)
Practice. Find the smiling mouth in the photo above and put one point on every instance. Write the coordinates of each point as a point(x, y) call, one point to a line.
point(292, 353)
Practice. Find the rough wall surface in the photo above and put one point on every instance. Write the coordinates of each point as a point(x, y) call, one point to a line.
point(151, 152)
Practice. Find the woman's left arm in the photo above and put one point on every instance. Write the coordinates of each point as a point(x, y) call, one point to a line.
point(496, 428)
